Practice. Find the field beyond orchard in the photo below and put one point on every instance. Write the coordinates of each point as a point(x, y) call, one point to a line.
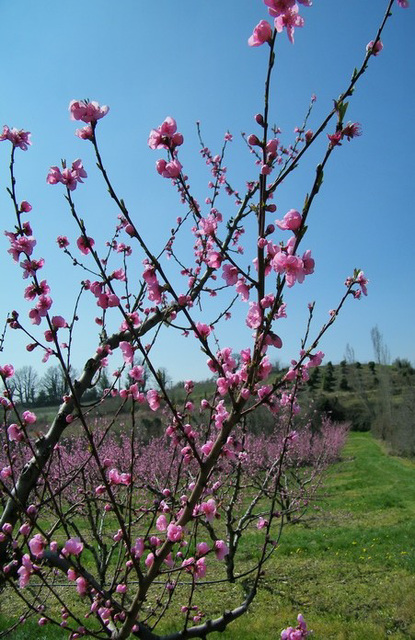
point(349, 567)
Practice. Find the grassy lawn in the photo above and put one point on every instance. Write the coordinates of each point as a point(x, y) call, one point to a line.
point(349, 569)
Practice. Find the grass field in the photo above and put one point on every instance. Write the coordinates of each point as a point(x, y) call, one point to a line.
point(349, 568)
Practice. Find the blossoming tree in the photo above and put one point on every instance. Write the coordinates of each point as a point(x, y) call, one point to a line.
point(141, 529)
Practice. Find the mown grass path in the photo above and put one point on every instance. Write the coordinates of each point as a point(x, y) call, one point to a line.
point(349, 568)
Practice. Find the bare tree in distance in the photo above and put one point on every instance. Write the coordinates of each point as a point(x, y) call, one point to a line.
point(382, 353)
point(25, 385)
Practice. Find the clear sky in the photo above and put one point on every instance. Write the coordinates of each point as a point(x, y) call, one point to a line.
point(190, 60)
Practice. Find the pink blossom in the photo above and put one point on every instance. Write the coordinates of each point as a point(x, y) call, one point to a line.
point(137, 373)
point(170, 169)
point(262, 523)
point(68, 177)
point(138, 547)
point(127, 352)
point(374, 49)
point(203, 331)
point(35, 316)
point(59, 322)
point(165, 136)
point(81, 586)
point(25, 529)
point(291, 221)
point(34, 290)
point(230, 274)
point(118, 536)
point(290, 19)
point(403, 3)
point(6, 472)
point(362, 280)
point(202, 548)
point(208, 225)
point(292, 266)
point(37, 545)
point(214, 259)
point(352, 130)
point(273, 340)
point(242, 289)
point(17, 137)
point(54, 176)
point(153, 399)
point(149, 560)
point(7, 371)
point(29, 417)
point(222, 386)
point(174, 532)
point(121, 588)
point(161, 523)
point(15, 433)
point(207, 447)
point(115, 477)
point(315, 360)
point(25, 206)
point(298, 633)
point(189, 386)
point(43, 305)
point(254, 317)
point(308, 263)
point(277, 7)
point(21, 245)
point(221, 549)
point(87, 111)
point(73, 546)
point(71, 573)
point(62, 241)
point(209, 509)
point(86, 133)
point(261, 34)
point(25, 570)
point(200, 568)
point(31, 266)
point(253, 140)
point(85, 244)
point(335, 138)
point(308, 136)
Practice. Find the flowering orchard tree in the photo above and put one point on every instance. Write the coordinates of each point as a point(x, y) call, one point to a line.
point(144, 530)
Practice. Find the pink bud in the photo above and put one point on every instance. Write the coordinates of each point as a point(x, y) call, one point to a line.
point(253, 140)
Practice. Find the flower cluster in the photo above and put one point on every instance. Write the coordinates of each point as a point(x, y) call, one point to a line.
point(17, 137)
point(297, 633)
point(87, 111)
point(68, 177)
point(167, 137)
point(286, 16)
point(351, 130)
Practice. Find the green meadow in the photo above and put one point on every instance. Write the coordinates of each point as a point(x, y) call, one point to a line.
point(348, 567)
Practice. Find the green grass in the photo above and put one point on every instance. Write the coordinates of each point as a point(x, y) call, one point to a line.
point(349, 568)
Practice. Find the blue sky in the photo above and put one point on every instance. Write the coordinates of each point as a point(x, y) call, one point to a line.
point(190, 60)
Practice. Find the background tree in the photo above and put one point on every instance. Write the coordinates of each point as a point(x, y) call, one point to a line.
point(54, 385)
point(25, 385)
point(382, 353)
